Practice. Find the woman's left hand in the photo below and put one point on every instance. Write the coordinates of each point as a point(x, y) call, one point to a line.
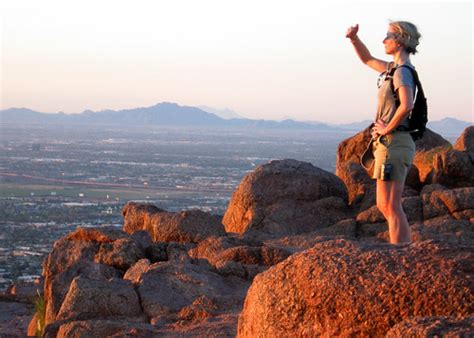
point(380, 127)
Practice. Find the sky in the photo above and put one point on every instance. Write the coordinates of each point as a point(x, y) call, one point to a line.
point(261, 59)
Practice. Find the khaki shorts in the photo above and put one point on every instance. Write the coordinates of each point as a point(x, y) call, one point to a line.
point(397, 149)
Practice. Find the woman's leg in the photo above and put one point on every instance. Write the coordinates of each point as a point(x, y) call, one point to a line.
point(389, 202)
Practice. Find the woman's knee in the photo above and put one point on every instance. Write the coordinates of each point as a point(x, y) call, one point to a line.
point(395, 208)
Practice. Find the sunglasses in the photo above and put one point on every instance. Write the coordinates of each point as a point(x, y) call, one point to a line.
point(391, 35)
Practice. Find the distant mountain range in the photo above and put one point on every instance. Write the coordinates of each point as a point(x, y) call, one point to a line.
point(222, 113)
point(163, 114)
point(172, 114)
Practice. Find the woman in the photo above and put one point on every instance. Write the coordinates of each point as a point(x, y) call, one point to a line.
point(394, 147)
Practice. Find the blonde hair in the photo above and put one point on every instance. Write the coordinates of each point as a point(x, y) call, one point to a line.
point(408, 35)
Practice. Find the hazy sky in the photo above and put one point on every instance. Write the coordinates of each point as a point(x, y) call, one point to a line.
point(262, 59)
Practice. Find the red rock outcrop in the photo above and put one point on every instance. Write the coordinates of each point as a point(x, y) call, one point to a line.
point(72, 256)
point(453, 168)
point(89, 298)
point(459, 203)
point(238, 257)
point(185, 226)
point(284, 198)
point(465, 142)
point(443, 164)
point(344, 288)
point(84, 286)
point(181, 284)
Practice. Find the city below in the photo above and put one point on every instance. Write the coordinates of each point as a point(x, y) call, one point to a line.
point(55, 178)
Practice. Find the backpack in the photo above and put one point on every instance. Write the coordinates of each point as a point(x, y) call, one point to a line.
point(419, 115)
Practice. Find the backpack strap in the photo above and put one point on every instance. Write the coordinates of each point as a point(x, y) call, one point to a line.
point(415, 79)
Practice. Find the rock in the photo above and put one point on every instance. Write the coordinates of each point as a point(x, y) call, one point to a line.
point(444, 229)
point(89, 298)
point(216, 326)
point(453, 168)
point(445, 202)
point(286, 197)
point(97, 235)
point(352, 148)
point(429, 188)
point(71, 256)
point(346, 288)
point(26, 291)
point(360, 186)
point(98, 328)
point(433, 327)
point(343, 229)
point(178, 252)
point(133, 274)
point(465, 142)
point(201, 308)
point(137, 216)
point(426, 149)
point(222, 250)
point(431, 140)
point(166, 287)
point(14, 317)
point(186, 226)
point(120, 254)
point(373, 232)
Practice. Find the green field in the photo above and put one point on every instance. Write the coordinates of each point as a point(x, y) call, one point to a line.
point(40, 190)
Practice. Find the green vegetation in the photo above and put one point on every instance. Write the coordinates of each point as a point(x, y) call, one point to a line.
point(40, 307)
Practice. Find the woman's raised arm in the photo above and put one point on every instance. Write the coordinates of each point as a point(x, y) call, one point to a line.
point(363, 52)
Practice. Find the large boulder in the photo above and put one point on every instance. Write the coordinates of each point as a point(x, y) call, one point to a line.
point(186, 226)
point(286, 197)
point(465, 142)
point(427, 147)
point(74, 255)
point(120, 254)
point(431, 140)
point(459, 203)
point(438, 162)
point(166, 288)
point(453, 168)
point(445, 229)
point(352, 148)
point(89, 298)
point(346, 288)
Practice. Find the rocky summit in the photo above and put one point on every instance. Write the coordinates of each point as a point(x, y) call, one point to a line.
point(299, 252)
